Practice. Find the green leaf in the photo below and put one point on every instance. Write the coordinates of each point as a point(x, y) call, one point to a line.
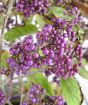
point(27, 20)
point(20, 31)
point(81, 31)
point(84, 62)
point(75, 28)
point(40, 53)
point(59, 12)
point(56, 9)
point(39, 20)
point(39, 78)
point(4, 57)
point(83, 72)
point(71, 91)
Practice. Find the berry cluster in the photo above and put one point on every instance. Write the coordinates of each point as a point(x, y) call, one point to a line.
point(55, 100)
point(58, 42)
point(24, 56)
point(36, 95)
point(61, 56)
point(2, 97)
point(32, 7)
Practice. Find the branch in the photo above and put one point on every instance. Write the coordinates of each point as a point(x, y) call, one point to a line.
point(8, 12)
point(21, 89)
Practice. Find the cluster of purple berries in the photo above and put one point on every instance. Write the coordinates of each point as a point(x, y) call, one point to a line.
point(58, 42)
point(24, 56)
point(36, 93)
point(2, 97)
point(74, 12)
point(56, 100)
point(61, 55)
point(36, 96)
point(32, 7)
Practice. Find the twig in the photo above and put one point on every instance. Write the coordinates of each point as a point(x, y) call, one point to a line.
point(8, 12)
point(16, 20)
point(21, 87)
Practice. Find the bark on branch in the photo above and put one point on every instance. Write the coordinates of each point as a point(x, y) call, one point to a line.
point(8, 12)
